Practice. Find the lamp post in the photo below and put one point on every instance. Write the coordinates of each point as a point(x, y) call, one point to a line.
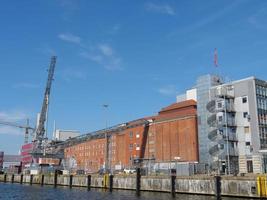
point(177, 159)
point(106, 139)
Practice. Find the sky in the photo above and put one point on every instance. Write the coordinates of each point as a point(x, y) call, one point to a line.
point(135, 56)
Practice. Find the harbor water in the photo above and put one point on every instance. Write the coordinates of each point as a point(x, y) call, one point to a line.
point(10, 191)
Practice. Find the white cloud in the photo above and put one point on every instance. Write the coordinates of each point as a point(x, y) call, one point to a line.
point(205, 20)
point(106, 49)
point(12, 116)
point(68, 37)
point(8, 130)
point(71, 74)
point(258, 19)
point(16, 117)
point(26, 85)
point(160, 8)
point(115, 29)
point(105, 55)
point(167, 90)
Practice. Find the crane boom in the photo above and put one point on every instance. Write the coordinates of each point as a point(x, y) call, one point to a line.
point(26, 127)
point(40, 131)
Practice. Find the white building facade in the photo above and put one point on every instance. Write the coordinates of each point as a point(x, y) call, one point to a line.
point(232, 124)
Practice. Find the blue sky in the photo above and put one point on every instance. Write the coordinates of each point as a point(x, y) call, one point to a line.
point(133, 55)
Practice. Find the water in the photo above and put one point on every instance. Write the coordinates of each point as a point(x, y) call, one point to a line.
point(10, 191)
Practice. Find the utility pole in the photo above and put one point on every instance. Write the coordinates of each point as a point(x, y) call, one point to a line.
point(106, 140)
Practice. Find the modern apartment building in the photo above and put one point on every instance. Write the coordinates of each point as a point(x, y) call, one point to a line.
point(232, 124)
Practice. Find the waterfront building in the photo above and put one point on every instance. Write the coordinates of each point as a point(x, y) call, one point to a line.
point(169, 135)
point(26, 157)
point(232, 124)
point(12, 163)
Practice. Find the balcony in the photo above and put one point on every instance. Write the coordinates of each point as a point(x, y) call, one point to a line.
point(224, 105)
point(226, 91)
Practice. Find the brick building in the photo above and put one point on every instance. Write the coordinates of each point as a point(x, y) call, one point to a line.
point(172, 133)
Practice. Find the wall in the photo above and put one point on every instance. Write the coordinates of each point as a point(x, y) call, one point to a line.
point(230, 186)
point(172, 133)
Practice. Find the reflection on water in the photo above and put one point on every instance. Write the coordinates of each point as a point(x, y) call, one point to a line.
point(26, 192)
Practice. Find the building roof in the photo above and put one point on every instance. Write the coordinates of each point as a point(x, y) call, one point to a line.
point(179, 105)
point(12, 158)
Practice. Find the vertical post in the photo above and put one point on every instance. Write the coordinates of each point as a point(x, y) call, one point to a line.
point(218, 187)
point(55, 179)
point(42, 180)
point(5, 178)
point(173, 178)
point(70, 183)
point(226, 134)
point(138, 181)
point(110, 182)
point(31, 178)
point(106, 143)
point(12, 178)
point(21, 178)
point(88, 182)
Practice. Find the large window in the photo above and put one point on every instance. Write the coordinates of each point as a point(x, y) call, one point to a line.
point(246, 129)
point(244, 100)
point(131, 134)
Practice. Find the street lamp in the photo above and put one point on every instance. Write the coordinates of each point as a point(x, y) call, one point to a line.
point(106, 139)
point(177, 159)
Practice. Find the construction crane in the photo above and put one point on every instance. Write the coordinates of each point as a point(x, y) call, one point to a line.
point(40, 130)
point(26, 127)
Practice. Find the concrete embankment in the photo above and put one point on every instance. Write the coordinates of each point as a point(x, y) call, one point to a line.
point(207, 185)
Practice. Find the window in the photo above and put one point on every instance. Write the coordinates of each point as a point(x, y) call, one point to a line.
point(246, 129)
point(131, 134)
point(244, 100)
point(245, 114)
point(247, 143)
point(220, 105)
point(220, 118)
point(131, 146)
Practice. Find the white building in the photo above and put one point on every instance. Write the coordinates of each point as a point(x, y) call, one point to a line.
point(232, 120)
point(62, 135)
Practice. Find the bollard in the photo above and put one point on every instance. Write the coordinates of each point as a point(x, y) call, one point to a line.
point(110, 182)
point(105, 181)
point(218, 187)
point(70, 183)
point(5, 178)
point(173, 178)
point(89, 182)
point(138, 181)
point(21, 178)
point(12, 178)
point(55, 179)
point(42, 180)
point(31, 178)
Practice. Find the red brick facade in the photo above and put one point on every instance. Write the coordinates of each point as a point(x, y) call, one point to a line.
point(172, 133)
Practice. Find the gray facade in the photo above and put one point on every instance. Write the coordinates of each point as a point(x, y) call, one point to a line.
point(204, 83)
point(232, 124)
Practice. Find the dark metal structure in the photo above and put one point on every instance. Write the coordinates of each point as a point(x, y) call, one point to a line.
point(40, 130)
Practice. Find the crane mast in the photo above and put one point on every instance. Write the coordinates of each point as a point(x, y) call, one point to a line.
point(40, 130)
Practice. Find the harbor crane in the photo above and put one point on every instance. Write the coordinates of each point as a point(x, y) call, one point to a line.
point(26, 127)
point(39, 137)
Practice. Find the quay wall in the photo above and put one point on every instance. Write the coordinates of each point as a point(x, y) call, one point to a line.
point(206, 185)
